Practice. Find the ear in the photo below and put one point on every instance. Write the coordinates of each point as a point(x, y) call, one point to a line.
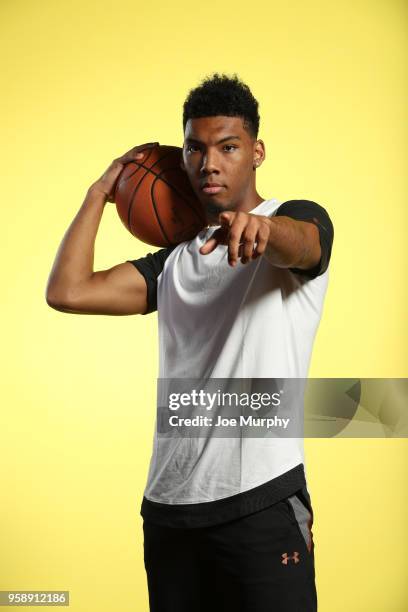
point(259, 154)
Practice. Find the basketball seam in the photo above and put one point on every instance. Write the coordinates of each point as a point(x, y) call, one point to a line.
point(134, 193)
point(157, 176)
point(148, 171)
point(171, 186)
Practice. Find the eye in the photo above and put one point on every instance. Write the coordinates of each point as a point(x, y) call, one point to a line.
point(233, 146)
point(189, 147)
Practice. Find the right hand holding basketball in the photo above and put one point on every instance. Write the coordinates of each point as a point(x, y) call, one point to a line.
point(107, 182)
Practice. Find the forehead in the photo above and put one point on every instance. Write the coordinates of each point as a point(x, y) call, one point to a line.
point(212, 128)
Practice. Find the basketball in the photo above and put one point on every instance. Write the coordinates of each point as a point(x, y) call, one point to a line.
point(155, 200)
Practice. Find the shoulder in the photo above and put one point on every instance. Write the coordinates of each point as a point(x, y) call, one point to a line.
point(151, 266)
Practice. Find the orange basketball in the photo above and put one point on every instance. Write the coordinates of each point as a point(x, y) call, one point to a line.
point(155, 200)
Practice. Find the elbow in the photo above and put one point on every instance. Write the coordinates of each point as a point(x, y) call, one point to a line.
point(55, 303)
point(56, 299)
point(52, 303)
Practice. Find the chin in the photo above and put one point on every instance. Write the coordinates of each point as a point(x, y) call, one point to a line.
point(215, 208)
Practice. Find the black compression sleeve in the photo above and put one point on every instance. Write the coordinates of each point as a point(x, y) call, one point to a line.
point(306, 210)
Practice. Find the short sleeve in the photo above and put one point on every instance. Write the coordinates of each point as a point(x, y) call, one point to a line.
point(306, 210)
point(151, 266)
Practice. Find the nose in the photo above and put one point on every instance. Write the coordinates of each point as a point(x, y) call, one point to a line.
point(209, 163)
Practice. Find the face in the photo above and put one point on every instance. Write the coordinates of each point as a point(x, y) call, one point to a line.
point(220, 151)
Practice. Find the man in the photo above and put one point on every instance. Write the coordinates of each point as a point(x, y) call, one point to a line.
point(227, 520)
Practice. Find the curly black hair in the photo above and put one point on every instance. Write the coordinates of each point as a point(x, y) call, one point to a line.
point(223, 95)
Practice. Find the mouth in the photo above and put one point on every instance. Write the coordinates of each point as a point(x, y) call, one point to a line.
point(211, 188)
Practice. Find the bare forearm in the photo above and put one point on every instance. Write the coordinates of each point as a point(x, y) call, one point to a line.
point(75, 256)
point(292, 243)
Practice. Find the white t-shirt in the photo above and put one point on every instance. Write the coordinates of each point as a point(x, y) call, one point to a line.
point(254, 320)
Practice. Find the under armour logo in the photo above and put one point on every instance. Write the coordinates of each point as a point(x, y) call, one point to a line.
point(294, 557)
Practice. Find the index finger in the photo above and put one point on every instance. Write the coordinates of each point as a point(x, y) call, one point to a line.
point(132, 153)
point(235, 233)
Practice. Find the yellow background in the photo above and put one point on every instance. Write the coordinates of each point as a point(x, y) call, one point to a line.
point(83, 82)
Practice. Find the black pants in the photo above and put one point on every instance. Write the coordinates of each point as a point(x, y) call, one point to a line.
point(263, 562)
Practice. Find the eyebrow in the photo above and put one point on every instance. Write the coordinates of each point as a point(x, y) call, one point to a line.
point(219, 142)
